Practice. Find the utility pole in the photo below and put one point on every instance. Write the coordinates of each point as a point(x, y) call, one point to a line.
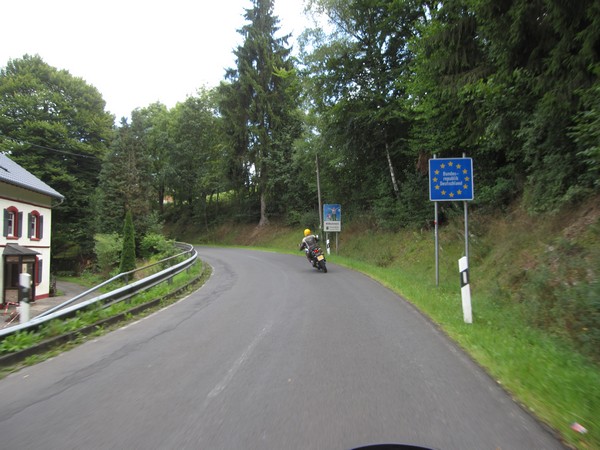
point(319, 194)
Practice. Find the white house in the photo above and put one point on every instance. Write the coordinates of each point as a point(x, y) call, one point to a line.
point(26, 203)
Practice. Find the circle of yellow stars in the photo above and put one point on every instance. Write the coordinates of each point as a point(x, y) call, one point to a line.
point(458, 166)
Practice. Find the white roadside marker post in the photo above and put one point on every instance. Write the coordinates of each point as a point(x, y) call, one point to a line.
point(465, 289)
point(25, 286)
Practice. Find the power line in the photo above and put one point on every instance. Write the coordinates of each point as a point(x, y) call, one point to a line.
point(20, 141)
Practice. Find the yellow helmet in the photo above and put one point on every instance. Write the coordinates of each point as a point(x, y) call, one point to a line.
point(306, 232)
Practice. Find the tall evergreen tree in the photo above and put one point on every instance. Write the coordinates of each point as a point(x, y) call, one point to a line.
point(261, 104)
point(125, 182)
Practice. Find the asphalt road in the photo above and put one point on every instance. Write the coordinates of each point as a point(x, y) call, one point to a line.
point(269, 354)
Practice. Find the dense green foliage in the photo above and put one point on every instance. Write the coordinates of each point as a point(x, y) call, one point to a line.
point(507, 82)
point(357, 81)
point(108, 250)
point(195, 163)
point(512, 84)
point(157, 246)
point(54, 125)
point(128, 251)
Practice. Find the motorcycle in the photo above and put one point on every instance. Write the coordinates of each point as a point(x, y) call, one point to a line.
point(317, 259)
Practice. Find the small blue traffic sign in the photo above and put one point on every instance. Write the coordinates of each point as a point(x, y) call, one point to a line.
point(450, 179)
point(332, 217)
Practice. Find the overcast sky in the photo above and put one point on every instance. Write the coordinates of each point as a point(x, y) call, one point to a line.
point(135, 52)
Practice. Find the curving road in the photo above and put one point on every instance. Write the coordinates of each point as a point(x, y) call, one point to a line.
point(268, 354)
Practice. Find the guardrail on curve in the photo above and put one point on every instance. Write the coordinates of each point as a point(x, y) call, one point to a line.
point(123, 293)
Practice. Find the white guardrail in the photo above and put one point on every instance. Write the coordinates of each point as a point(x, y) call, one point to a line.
point(123, 293)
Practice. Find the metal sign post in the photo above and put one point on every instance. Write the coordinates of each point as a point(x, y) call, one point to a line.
point(450, 180)
point(436, 242)
point(437, 246)
point(332, 221)
point(319, 193)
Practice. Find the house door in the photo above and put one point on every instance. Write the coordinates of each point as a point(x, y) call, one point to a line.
point(13, 266)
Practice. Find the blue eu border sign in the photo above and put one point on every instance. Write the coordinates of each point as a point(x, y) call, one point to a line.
point(450, 179)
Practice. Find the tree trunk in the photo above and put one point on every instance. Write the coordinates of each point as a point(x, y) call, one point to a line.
point(392, 173)
point(263, 211)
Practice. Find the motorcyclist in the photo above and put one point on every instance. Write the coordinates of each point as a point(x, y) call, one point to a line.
point(309, 243)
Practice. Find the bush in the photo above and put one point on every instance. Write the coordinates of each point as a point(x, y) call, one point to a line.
point(412, 210)
point(497, 195)
point(156, 244)
point(108, 251)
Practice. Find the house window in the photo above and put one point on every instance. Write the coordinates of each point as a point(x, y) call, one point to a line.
point(12, 223)
point(36, 225)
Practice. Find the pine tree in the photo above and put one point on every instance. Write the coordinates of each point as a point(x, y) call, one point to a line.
point(260, 104)
point(125, 181)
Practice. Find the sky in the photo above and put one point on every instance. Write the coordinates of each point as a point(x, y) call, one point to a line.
point(135, 52)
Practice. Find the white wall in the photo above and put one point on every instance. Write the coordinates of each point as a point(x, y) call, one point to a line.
point(26, 202)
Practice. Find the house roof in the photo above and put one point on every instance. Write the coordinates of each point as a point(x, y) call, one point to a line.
point(17, 250)
point(12, 173)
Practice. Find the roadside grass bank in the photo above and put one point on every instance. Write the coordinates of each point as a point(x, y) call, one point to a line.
point(30, 347)
point(547, 373)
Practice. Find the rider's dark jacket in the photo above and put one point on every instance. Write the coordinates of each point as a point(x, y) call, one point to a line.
point(309, 242)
